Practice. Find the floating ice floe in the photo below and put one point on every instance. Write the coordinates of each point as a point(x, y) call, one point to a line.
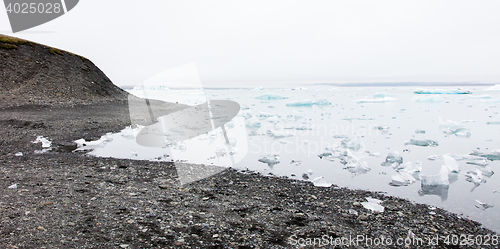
point(491, 101)
point(451, 164)
point(494, 155)
point(271, 160)
point(458, 157)
point(252, 122)
point(436, 184)
point(419, 131)
point(441, 91)
point(296, 162)
point(357, 167)
point(493, 123)
point(485, 96)
point(493, 88)
point(476, 177)
point(485, 171)
point(18, 154)
point(483, 206)
point(459, 132)
point(270, 96)
point(300, 88)
point(279, 133)
point(84, 145)
point(402, 179)
point(373, 205)
point(393, 159)
point(322, 102)
point(423, 143)
point(429, 99)
point(351, 143)
point(305, 102)
point(412, 168)
point(381, 95)
point(376, 100)
point(482, 163)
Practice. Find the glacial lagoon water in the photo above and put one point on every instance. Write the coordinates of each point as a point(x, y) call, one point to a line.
point(439, 149)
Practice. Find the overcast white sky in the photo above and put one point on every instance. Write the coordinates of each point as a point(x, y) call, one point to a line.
point(235, 43)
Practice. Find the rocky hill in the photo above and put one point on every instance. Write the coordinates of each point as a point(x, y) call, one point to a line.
point(35, 74)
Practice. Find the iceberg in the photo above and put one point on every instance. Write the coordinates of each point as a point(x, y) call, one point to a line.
point(493, 88)
point(376, 100)
point(430, 99)
point(459, 132)
point(271, 160)
point(435, 184)
point(441, 91)
point(270, 96)
point(373, 205)
point(451, 164)
point(305, 102)
point(410, 168)
point(423, 143)
point(357, 167)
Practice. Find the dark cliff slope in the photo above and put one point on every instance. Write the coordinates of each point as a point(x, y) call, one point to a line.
point(35, 74)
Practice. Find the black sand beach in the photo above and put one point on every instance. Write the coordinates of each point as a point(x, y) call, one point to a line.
point(65, 199)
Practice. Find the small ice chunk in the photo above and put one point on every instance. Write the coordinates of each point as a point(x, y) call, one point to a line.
point(423, 143)
point(451, 164)
point(252, 122)
point(304, 127)
point(353, 212)
point(352, 144)
point(439, 179)
point(13, 186)
point(449, 124)
point(494, 155)
point(45, 142)
point(299, 88)
point(485, 96)
point(310, 172)
point(402, 179)
point(411, 168)
point(381, 95)
point(393, 159)
point(279, 133)
point(482, 163)
point(493, 123)
point(305, 102)
point(429, 99)
point(322, 102)
point(356, 167)
point(270, 96)
point(442, 91)
point(273, 119)
point(297, 163)
point(376, 100)
point(305, 176)
point(486, 171)
point(483, 206)
point(271, 160)
point(220, 152)
point(18, 154)
point(476, 177)
point(459, 132)
point(419, 131)
point(265, 114)
point(373, 205)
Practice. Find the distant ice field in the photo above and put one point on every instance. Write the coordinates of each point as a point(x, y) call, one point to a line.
point(435, 146)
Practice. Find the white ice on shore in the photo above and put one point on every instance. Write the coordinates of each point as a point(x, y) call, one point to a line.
point(89, 145)
point(45, 142)
point(373, 205)
point(18, 154)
